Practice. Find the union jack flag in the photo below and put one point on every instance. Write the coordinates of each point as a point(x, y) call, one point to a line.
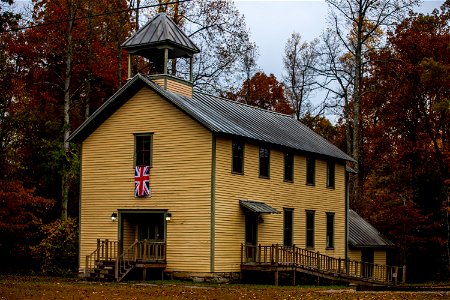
point(142, 181)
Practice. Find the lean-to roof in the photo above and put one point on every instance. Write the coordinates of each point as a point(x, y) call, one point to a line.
point(362, 234)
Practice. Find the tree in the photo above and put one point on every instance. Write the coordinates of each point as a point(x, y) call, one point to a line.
point(59, 79)
point(219, 30)
point(300, 65)
point(355, 23)
point(406, 125)
point(8, 18)
point(264, 92)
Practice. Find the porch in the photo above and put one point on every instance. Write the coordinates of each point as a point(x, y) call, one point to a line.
point(293, 260)
point(110, 261)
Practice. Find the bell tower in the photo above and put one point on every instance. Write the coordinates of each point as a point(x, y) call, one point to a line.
point(159, 41)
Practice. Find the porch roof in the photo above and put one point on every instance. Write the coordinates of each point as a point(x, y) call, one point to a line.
point(363, 235)
point(258, 207)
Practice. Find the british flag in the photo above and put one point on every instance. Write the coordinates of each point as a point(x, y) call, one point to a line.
point(142, 181)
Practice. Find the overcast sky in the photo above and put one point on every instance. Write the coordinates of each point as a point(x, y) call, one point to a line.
point(272, 22)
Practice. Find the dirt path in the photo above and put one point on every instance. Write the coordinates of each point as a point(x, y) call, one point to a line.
point(57, 288)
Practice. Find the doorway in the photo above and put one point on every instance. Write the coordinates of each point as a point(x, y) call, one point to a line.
point(251, 235)
point(367, 257)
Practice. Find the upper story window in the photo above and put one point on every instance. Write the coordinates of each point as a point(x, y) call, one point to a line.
point(310, 229)
point(310, 170)
point(330, 231)
point(238, 157)
point(288, 166)
point(143, 149)
point(264, 161)
point(330, 174)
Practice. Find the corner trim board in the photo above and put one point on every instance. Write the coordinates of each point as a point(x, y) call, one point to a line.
point(213, 204)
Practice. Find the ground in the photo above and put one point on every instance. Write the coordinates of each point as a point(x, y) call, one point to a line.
point(20, 287)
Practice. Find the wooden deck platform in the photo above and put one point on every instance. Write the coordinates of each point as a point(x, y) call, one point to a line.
point(276, 259)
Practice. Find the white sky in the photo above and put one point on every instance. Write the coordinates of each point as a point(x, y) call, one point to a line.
point(272, 22)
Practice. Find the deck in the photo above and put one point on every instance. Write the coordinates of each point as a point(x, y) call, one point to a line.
point(276, 258)
point(110, 262)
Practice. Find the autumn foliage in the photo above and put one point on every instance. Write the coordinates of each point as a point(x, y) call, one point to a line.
point(406, 128)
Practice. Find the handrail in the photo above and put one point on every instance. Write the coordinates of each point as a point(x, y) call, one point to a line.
point(295, 257)
point(145, 251)
point(124, 259)
point(106, 251)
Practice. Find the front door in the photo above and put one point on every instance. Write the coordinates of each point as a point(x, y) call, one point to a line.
point(151, 236)
point(251, 235)
point(151, 227)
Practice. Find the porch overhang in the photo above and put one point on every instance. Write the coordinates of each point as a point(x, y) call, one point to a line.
point(258, 207)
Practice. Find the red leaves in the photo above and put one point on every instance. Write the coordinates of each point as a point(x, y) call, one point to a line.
point(264, 92)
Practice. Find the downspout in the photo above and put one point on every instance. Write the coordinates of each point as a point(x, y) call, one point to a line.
point(346, 211)
point(79, 210)
point(213, 203)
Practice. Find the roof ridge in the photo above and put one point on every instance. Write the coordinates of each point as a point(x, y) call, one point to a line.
point(245, 104)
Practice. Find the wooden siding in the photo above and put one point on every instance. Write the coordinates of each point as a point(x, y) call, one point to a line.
point(379, 257)
point(354, 254)
point(180, 179)
point(175, 86)
point(230, 188)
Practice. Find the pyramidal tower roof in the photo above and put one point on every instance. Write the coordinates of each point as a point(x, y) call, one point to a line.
point(160, 32)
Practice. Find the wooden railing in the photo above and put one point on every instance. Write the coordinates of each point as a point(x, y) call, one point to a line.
point(276, 255)
point(139, 251)
point(106, 251)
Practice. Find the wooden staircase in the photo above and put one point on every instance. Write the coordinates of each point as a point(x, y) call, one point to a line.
point(109, 263)
point(278, 258)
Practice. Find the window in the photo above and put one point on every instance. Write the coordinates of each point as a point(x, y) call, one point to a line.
point(288, 225)
point(288, 166)
point(330, 231)
point(238, 157)
point(142, 153)
point(330, 174)
point(310, 170)
point(264, 161)
point(310, 229)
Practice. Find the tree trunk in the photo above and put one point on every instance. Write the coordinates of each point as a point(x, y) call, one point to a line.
point(67, 78)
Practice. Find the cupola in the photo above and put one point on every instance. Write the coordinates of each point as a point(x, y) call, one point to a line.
point(159, 41)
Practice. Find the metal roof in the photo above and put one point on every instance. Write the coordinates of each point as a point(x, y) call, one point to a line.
point(363, 234)
point(160, 31)
point(223, 116)
point(258, 207)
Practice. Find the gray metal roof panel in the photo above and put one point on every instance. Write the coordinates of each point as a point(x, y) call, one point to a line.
point(363, 234)
point(258, 207)
point(229, 117)
point(223, 116)
point(161, 29)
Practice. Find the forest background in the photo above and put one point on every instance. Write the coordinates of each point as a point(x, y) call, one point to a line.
point(383, 70)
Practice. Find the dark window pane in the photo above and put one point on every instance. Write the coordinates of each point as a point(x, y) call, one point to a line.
point(142, 150)
point(288, 224)
point(309, 229)
point(330, 174)
point(238, 157)
point(264, 161)
point(310, 170)
point(330, 230)
point(288, 166)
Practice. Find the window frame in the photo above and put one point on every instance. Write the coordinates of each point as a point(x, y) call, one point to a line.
point(310, 232)
point(233, 156)
point(290, 166)
point(288, 230)
point(329, 235)
point(150, 150)
point(262, 159)
point(310, 170)
point(331, 174)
